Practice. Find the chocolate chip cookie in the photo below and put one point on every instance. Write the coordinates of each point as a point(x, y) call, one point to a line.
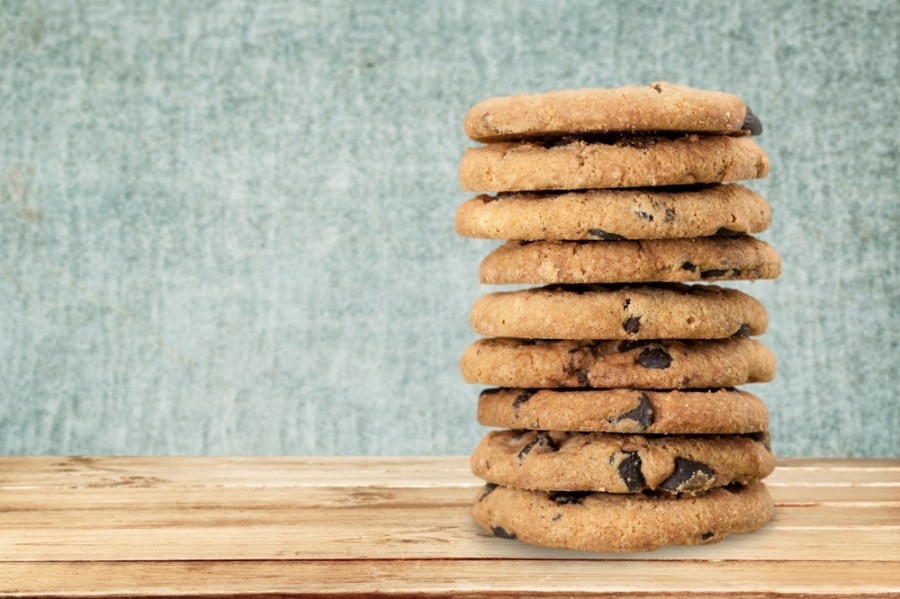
point(623, 162)
point(614, 463)
point(652, 260)
point(656, 364)
point(672, 311)
point(660, 106)
point(706, 412)
point(621, 522)
point(612, 214)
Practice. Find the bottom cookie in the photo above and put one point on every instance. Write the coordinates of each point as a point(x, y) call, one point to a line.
point(608, 522)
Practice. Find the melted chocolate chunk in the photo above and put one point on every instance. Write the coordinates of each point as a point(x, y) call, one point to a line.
point(726, 232)
point(708, 274)
point(542, 440)
point(488, 489)
point(752, 123)
point(502, 533)
point(743, 332)
point(569, 497)
point(521, 398)
point(707, 536)
point(655, 357)
point(630, 473)
point(625, 346)
point(670, 215)
point(632, 325)
point(644, 215)
point(689, 267)
point(689, 477)
point(604, 235)
point(642, 414)
point(583, 378)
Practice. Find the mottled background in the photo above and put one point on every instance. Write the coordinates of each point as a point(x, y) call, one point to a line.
point(226, 228)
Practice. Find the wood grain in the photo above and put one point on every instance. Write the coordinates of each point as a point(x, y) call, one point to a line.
point(104, 527)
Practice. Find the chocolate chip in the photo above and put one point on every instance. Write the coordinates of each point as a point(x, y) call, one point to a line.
point(630, 473)
point(726, 232)
point(688, 266)
point(689, 477)
point(632, 325)
point(583, 378)
point(569, 497)
point(521, 398)
point(752, 123)
point(488, 489)
point(502, 533)
point(743, 332)
point(670, 215)
point(644, 215)
point(708, 274)
point(490, 391)
point(642, 414)
point(655, 357)
point(625, 346)
point(543, 439)
point(707, 536)
point(604, 235)
point(627, 303)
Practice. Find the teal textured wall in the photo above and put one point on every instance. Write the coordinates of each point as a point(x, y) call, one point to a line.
point(226, 228)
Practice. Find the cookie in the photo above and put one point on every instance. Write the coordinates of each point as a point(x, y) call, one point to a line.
point(613, 463)
point(661, 311)
point(621, 522)
point(660, 106)
point(610, 214)
point(651, 260)
point(625, 162)
point(617, 364)
point(705, 412)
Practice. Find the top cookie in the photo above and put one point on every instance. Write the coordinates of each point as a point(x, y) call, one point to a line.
point(659, 106)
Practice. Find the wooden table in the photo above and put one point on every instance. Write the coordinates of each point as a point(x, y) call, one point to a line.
point(103, 527)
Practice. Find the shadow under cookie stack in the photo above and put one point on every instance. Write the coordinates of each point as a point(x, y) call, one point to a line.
point(614, 380)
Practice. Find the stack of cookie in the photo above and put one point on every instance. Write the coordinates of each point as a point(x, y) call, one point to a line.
point(614, 379)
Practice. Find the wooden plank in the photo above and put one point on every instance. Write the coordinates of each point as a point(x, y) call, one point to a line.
point(107, 472)
point(457, 578)
point(313, 526)
point(444, 472)
point(330, 523)
point(141, 508)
